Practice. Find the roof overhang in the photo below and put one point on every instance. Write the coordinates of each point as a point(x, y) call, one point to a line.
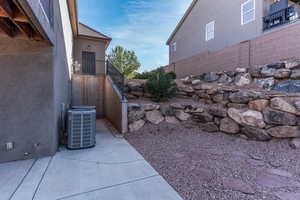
point(86, 37)
point(72, 5)
point(186, 14)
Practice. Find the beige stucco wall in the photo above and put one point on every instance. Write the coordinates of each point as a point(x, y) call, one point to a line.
point(190, 38)
point(90, 45)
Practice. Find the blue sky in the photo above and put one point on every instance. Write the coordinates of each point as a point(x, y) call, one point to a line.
point(140, 25)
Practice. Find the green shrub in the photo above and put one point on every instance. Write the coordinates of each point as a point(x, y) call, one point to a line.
point(161, 86)
point(144, 75)
point(172, 75)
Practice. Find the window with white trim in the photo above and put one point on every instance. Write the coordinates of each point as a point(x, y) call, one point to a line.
point(248, 11)
point(174, 46)
point(210, 31)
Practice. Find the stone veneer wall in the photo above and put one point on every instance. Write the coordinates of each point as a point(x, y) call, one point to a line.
point(256, 102)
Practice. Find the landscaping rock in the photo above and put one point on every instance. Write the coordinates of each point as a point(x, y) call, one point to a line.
point(248, 118)
point(295, 74)
point(242, 97)
point(281, 104)
point(209, 127)
point(293, 64)
point(229, 126)
point(284, 132)
point(241, 70)
point(150, 107)
point(210, 77)
point(258, 105)
point(134, 106)
point(137, 125)
point(276, 65)
point(288, 195)
point(237, 105)
point(276, 117)
point(225, 79)
point(196, 82)
point(243, 79)
point(155, 117)
point(172, 120)
point(295, 143)
point(290, 86)
point(282, 73)
point(254, 72)
point(202, 117)
point(217, 110)
point(135, 115)
point(177, 106)
point(267, 72)
point(266, 83)
point(297, 104)
point(167, 110)
point(256, 133)
point(181, 115)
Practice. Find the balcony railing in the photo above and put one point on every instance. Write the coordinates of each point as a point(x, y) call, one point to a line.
point(116, 76)
point(281, 17)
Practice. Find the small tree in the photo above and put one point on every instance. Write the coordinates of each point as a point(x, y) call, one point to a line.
point(126, 61)
point(161, 86)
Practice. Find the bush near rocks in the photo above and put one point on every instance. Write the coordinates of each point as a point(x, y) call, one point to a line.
point(253, 110)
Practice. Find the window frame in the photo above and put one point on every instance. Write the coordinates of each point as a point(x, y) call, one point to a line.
point(209, 37)
point(251, 10)
point(88, 66)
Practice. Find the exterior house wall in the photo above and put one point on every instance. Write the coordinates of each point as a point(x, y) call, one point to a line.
point(35, 81)
point(277, 45)
point(190, 37)
point(90, 45)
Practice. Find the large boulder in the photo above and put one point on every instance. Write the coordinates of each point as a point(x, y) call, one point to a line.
point(255, 72)
point(258, 105)
point(150, 106)
point(247, 117)
point(280, 104)
point(282, 73)
point(172, 120)
point(209, 127)
point(276, 65)
point(265, 83)
point(210, 77)
point(202, 117)
point(225, 79)
point(243, 97)
point(167, 110)
point(243, 79)
point(276, 117)
point(291, 86)
point(229, 126)
point(177, 106)
point(256, 133)
point(137, 125)
point(217, 110)
point(295, 143)
point(285, 132)
point(135, 115)
point(295, 74)
point(267, 72)
point(155, 117)
point(293, 64)
point(181, 115)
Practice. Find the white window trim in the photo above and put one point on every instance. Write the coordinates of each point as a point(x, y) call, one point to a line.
point(207, 33)
point(242, 12)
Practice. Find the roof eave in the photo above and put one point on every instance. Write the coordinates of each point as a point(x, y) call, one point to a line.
point(72, 5)
point(186, 14)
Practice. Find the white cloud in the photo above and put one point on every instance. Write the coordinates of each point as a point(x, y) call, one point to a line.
point(150, 22)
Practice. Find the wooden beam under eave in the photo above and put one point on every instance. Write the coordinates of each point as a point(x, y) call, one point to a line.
point(6, 8)
point(6, 28)
point(20, 17)
point(25, 28)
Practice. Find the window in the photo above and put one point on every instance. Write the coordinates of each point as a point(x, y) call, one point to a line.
point(210, 31)
point(88, 63)
point(248, 11)
point(174, 46)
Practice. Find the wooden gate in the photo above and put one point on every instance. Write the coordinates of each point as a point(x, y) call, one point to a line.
point(88, 90)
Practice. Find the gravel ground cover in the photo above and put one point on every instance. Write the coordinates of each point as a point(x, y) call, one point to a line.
point(206, 166)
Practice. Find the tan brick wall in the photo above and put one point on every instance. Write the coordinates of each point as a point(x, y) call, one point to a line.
point(279, 45)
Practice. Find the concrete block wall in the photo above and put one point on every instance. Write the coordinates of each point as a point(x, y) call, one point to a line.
point(276, 45)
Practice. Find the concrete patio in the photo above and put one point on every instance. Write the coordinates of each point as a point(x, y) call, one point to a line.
point(113, 170)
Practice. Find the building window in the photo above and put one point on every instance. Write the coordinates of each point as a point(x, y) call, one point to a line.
point(174, 46)
point(248, 11)
point(88, 63)
point(210, 31)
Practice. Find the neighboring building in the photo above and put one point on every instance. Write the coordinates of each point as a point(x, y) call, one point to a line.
point(229, 34)
point(40, 43)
